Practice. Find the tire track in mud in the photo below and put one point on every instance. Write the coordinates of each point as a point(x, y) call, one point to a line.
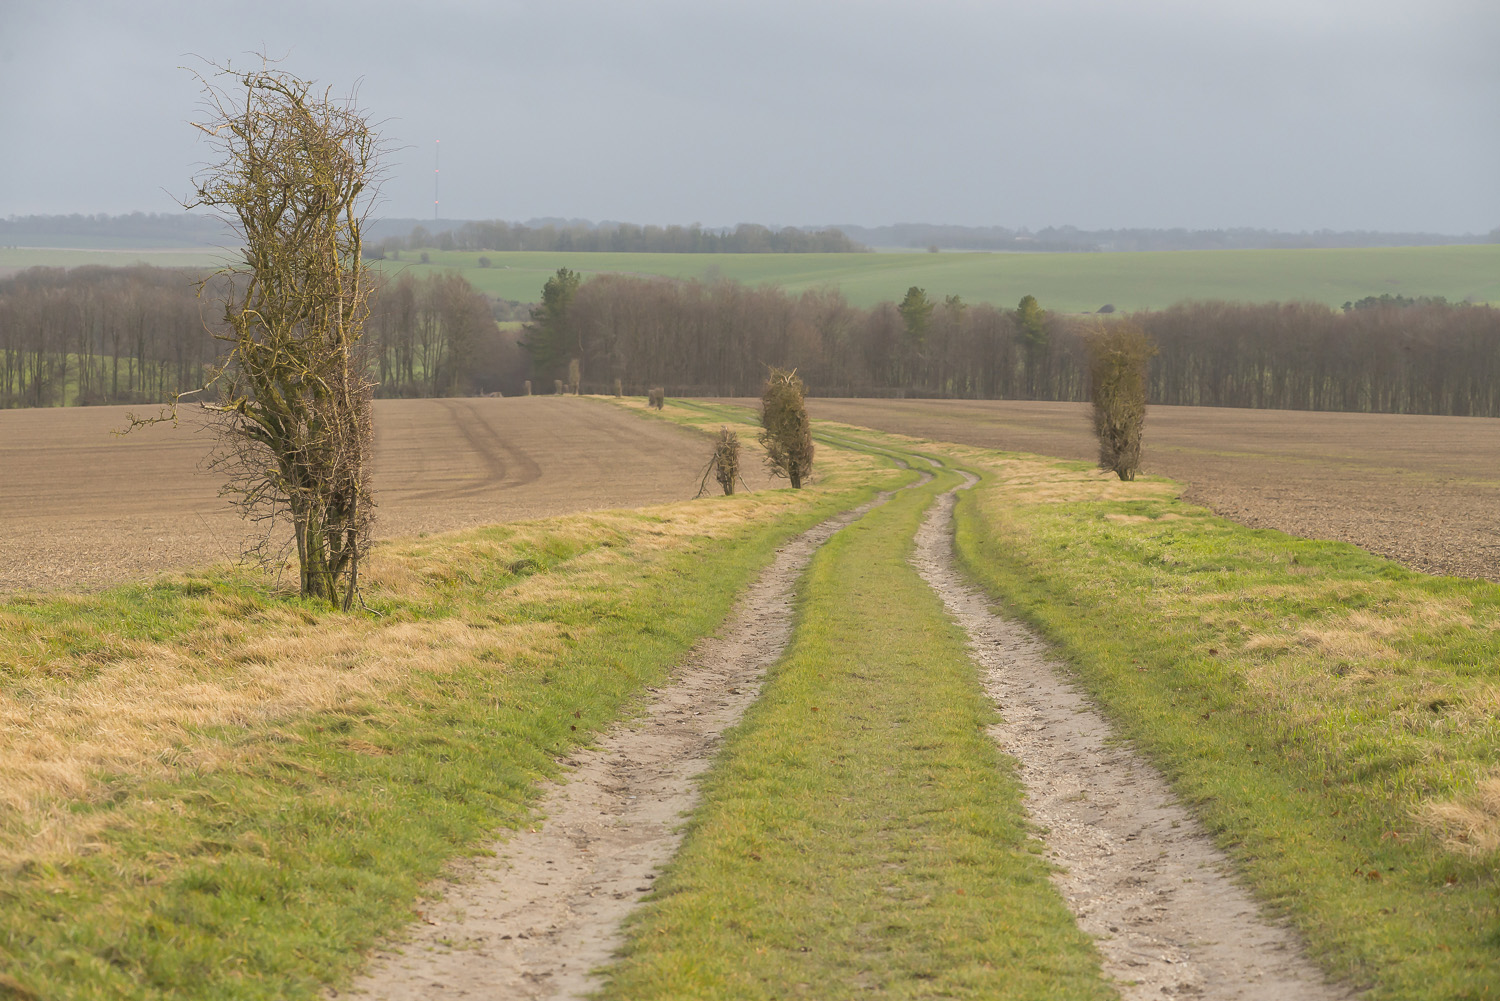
point(503, 466)
point(536, 919)
point(1138, 871)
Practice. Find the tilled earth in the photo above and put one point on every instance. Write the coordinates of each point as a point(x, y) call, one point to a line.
point(81, 507)
point(1424, 491)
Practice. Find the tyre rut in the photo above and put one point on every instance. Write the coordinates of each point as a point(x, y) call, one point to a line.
point(536, 919)
point(1137, 869)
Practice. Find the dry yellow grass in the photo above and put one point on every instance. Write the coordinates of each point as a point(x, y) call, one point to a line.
point(829, 461)
point(1370, 648)
point(142, 708)
point(1470, 826)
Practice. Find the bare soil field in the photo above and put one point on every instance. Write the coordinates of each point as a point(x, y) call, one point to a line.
point(80, 507)
point(1421, 490)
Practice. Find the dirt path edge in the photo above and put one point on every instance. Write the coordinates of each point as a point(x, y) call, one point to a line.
point(539, 917)
point(1135, 867)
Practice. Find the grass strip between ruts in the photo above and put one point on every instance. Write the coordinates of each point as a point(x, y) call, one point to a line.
point(1307, 698)
point(860, 833)
point(264, 868)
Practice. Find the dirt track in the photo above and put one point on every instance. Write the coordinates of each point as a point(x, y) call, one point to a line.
point(1136, 868)
point(534, 920)
point(1421, 490)
point(82, 508)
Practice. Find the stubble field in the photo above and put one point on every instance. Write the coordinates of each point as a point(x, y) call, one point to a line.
point(1424, 491)
point(84, 508)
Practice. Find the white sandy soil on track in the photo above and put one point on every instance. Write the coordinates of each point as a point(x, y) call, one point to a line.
point(1138, 871)
point(533, 921)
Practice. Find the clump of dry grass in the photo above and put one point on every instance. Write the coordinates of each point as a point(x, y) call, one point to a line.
point(1471, 825)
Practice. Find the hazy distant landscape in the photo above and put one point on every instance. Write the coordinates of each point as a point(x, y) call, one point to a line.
point(753, 500)
point(1068, 282)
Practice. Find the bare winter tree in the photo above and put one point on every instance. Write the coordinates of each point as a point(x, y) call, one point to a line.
point(724, 464)
point(295, 176)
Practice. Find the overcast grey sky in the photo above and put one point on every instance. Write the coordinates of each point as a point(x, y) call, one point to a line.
point(1286, 114)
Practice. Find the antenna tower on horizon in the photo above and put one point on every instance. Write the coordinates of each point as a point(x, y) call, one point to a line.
point(437, 163)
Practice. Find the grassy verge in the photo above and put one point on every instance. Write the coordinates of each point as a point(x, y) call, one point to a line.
point(209, 789)
point(1328, 713)
point(861, 833)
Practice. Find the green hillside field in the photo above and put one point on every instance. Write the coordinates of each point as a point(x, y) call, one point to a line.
point(1065, 282)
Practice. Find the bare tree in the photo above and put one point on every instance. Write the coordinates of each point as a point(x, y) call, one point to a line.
point(724, 464)
point(295, 177)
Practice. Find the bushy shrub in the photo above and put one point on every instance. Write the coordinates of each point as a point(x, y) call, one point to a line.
point(1118, 354)
point(786, 432)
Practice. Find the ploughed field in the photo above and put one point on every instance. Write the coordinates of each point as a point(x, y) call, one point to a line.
point(1424, 491)
point(81, 507)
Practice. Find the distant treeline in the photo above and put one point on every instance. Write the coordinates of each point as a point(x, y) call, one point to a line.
point(140, 334)
point(698, 338)
point(622, 237)
point(390, 236)
point(1066, 239)
point(436, 336)
point(184, 229)
point(97, 335)
point(135, 230)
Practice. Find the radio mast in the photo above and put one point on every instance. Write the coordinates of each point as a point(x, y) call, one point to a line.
point(437, 163)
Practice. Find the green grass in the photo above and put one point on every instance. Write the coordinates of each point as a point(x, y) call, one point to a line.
point(1307, 698)
point(1065, 282)
point(258, 858)
point(1309, 701)
point(861, 835)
